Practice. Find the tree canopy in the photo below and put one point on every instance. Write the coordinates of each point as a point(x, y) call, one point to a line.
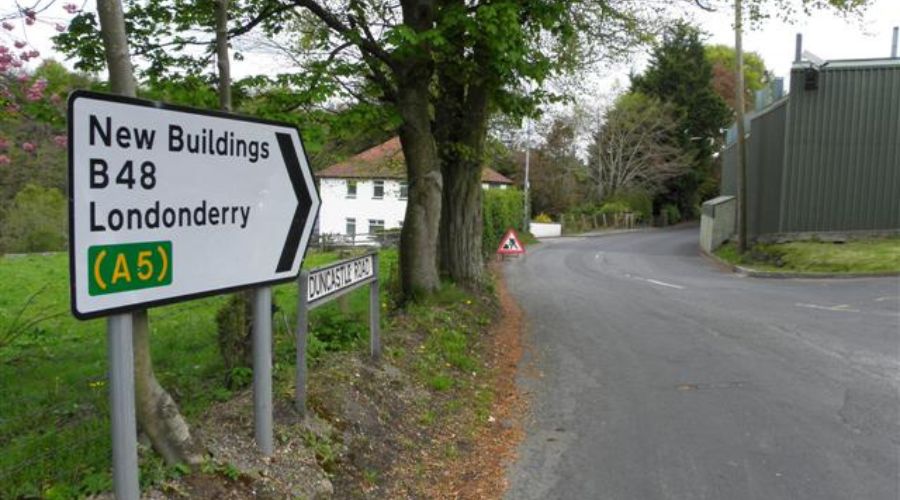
point(724, 62)
point(680, 73)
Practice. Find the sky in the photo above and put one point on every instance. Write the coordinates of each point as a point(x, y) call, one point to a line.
point(824, 34)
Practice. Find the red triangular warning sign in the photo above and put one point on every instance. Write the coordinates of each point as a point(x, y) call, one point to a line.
point(510, 244)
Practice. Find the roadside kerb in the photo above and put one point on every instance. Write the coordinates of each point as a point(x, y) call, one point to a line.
point(754, 273)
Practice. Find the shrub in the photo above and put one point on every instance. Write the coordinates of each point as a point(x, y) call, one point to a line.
point(502, 209)
point(672, 213)
point(543, 218)
point(640, 202)
point(614, 207)
point(336, 331)
point(36, 221)
point(234, 327)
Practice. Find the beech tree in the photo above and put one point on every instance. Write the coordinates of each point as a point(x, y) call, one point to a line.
point(442, 67)
point(488, 50)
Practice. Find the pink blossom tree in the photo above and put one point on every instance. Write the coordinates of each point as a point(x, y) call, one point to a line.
point(31, 109)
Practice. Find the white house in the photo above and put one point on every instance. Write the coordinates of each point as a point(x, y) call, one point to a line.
point(367, 193)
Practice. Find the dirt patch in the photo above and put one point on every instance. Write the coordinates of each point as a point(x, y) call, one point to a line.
point(432, 420)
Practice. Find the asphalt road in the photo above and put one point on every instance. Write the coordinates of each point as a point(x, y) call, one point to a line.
point(654, 375)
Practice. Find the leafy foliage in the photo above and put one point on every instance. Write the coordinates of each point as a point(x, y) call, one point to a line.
point(671, 213)
point(724, 60)
point(680, 73)
point(503, 209)
point(36, 221)
point(557, 174)
point(234, 330)
point(638, 201)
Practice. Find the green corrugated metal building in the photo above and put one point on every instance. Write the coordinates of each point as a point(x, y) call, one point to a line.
point(826, 158)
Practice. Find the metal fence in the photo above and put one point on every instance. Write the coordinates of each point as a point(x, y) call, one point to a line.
point(579, 223)
point(389, 238)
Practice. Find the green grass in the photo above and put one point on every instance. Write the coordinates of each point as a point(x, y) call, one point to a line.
point(451, 318)
point(880, 255)
point(54, 416)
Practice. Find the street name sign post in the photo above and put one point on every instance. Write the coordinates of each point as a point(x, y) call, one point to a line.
point(168, 203)
point(321, 285)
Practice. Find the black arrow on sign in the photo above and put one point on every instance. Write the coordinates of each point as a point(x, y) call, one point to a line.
point(304, 202)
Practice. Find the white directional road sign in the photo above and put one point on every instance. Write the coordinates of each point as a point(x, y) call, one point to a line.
point(169, 203)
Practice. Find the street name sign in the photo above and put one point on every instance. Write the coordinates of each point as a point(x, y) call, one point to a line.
point(339, 278)
point(510, 244)
point(168, 203)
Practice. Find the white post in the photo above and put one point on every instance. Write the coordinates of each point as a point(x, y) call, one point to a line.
point(302, 333)
point(121, 396)
point(262, 369)
point(374, 313)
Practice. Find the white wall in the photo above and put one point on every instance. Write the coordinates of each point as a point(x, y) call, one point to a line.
point(717, 224)
point(545, 229)
point(336, 207)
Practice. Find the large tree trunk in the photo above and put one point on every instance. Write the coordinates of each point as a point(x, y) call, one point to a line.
point(222, 61)
point(157, 414)
point(115, 43)
point(462, 128)
point(418, 239)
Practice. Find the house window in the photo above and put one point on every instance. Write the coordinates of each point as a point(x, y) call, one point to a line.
point(376, 226)
point(351, 189)
point(351, 226)
point(404, 190)
point(378, 193)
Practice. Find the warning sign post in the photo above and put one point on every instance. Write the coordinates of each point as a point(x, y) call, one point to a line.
point(510, 244)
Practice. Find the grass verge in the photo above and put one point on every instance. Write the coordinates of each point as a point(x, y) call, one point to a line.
point(54, 415)
point(871, 256)
point(429, 420)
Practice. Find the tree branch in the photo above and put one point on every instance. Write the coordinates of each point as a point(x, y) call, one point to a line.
point(331, 20)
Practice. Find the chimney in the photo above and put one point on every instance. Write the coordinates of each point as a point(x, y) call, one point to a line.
point(798, 46)
point(894, 42)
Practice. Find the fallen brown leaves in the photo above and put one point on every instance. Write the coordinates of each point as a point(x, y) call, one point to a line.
point(481, 471)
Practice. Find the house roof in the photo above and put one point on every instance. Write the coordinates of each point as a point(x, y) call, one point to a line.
point(385, 161)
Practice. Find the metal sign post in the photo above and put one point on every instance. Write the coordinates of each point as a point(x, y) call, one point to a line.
point(262, 369)
point(374, 314)
point(302, 333)
point(321, 285)
point(121, 399)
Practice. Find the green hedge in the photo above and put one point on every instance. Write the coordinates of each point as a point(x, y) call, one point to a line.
point(502, 210)
point(36, 221)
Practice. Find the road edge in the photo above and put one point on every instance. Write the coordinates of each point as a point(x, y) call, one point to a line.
point(753, 273)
